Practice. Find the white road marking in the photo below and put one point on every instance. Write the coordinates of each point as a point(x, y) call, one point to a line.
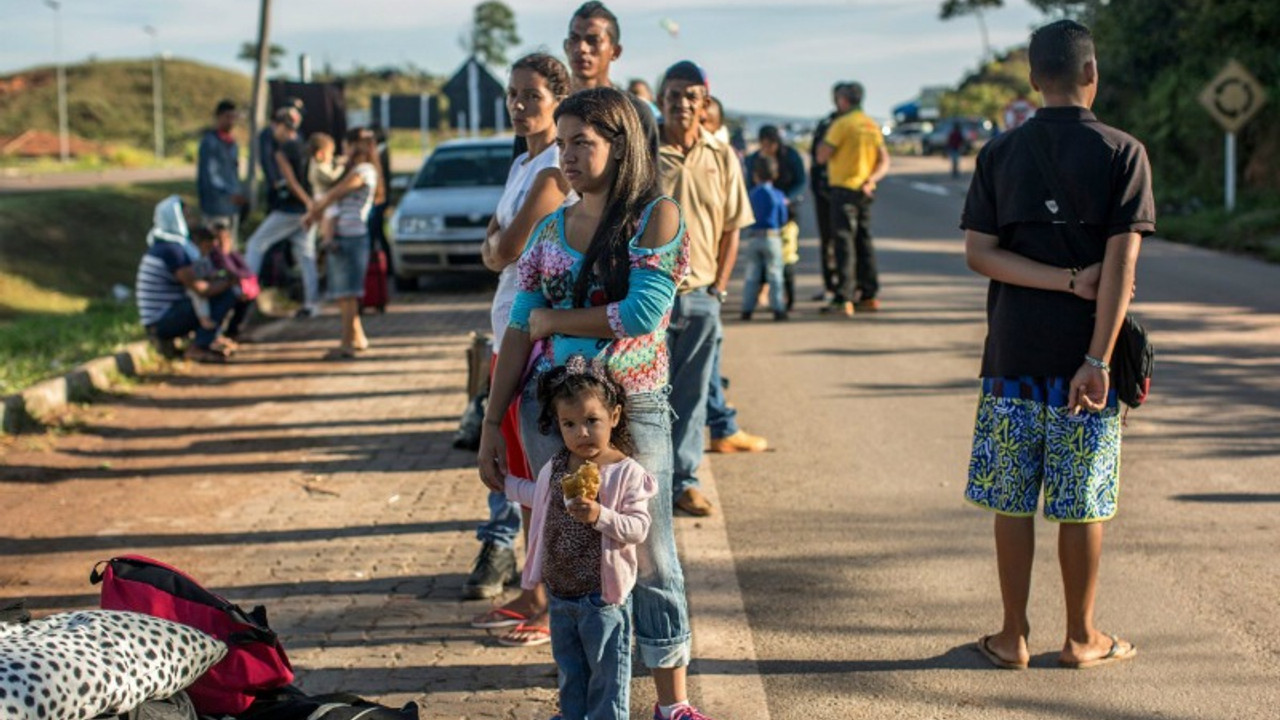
point(931, 189)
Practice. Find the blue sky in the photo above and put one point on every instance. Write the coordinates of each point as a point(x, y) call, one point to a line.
point(763, 57)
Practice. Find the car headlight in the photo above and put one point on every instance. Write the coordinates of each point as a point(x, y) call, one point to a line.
point(418, 224)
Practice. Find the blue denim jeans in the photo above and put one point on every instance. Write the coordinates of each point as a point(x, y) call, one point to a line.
point(503, 525)
point(764, 261)
point(658, 602)
point(591, 644)
point(722, 420)
point(181, 319)
point(692, 339)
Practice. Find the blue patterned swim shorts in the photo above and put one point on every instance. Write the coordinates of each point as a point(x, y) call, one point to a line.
point(1026, 438)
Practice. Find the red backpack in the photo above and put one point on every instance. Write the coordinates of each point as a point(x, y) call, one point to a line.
point(255, 661)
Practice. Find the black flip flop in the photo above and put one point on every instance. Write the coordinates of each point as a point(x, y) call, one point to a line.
point(984, 646)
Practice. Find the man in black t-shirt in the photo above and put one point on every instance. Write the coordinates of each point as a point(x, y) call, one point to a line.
point(822, 201)
point(1047, 416)
point(287, 202)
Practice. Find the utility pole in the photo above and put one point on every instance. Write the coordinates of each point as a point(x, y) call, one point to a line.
point(258, 114)
point(64, 144)
point(157, 93)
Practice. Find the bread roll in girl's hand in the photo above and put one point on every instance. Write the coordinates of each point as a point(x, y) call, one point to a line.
point(585, 483)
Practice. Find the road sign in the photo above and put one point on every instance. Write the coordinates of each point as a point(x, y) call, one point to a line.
point(1233, 97)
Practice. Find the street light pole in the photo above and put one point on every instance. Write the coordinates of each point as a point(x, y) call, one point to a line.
point(64, 145)
point(258, 117)
point(157, 93)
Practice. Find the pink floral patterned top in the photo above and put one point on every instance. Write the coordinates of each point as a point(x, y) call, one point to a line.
point(637, 354)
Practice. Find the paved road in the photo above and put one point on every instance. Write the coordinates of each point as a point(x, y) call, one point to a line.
point(866, 578)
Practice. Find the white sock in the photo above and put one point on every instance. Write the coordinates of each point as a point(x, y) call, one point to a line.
point(666, 710)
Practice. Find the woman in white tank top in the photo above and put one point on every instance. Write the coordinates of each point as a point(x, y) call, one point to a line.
point(535, 188)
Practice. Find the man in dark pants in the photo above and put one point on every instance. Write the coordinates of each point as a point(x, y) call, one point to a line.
point(822, 201)
point(854, 152)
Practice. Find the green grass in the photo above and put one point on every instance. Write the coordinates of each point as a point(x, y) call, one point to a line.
point(60, 254)
point(76, 243)
point(1252, 230)
point(37, 346)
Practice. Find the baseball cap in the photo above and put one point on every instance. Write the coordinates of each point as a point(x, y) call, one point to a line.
point(688, 71)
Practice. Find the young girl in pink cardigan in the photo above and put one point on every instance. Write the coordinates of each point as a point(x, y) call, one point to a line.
point(585, 549)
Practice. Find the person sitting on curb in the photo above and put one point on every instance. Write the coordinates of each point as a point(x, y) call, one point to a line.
point(166, 273)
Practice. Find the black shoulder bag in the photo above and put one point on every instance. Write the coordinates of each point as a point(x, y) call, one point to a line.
point(1133, 359)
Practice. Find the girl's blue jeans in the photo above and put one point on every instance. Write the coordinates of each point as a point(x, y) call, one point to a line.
point(658, 602)
point(591, 644)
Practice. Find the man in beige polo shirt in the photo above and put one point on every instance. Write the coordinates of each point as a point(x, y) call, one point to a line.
point(705, 178)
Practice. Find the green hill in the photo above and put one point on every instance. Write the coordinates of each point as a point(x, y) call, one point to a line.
point(110, 101)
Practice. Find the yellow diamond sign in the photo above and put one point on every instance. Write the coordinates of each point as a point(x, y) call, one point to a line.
point(1233, 97)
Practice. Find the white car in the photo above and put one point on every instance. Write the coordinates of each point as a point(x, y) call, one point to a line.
point(441, 220)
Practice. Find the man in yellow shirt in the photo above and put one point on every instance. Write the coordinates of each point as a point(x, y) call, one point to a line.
point(856, 159)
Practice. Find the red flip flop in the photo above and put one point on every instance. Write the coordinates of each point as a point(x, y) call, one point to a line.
point(536, 635)
point(498, 618)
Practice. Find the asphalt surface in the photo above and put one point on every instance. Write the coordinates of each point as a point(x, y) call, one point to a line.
point(865, 576)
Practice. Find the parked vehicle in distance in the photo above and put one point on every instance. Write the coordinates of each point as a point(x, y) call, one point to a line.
point(976, 131)
point(441, 220)
point(905, 138)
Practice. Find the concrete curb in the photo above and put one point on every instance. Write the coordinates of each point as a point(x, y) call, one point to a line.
point(44, 399)
point(36, 404)
point(724, 668)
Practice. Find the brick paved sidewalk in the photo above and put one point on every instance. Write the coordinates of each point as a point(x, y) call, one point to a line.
point(327, 491)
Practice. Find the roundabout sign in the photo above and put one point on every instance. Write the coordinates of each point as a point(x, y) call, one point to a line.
point(1232, 97)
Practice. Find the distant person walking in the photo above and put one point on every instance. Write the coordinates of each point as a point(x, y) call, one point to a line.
point(535, 188)
point(1047, 417)
point(854, 152)
point(288, 200)
point(218, 170)
point(355, 194)
point(822, 201)
point(955, 148)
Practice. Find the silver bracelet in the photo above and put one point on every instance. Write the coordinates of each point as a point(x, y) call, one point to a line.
point(1097, 362)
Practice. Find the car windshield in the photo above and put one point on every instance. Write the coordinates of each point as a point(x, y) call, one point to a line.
point(466, 167)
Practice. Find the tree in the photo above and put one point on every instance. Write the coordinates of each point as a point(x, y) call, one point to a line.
point(955, 8)
point(986, 92)
point(493, 32)
point(249, 53)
